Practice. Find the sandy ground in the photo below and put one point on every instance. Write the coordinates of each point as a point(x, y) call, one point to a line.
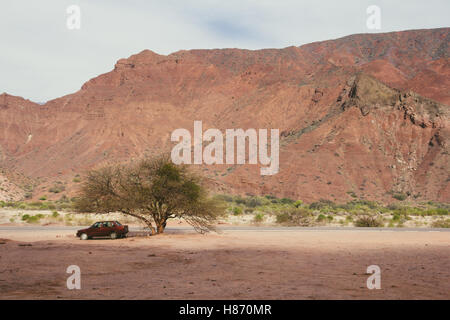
point(231, 265)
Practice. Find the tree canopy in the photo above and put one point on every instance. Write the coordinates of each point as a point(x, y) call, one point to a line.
point(153, 190)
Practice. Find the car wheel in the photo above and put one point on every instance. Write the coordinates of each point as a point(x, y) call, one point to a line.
point(113, 235)
point(84, 236)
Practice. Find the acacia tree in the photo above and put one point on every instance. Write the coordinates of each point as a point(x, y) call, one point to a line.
point(152, 190)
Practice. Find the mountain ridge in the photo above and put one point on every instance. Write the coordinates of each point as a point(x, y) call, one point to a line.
point(131, 110)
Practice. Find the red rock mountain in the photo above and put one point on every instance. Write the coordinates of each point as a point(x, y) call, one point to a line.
point(366, 114)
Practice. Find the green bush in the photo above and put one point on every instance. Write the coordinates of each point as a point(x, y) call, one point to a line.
point(368, 221)
point(399, 196)
point(253, 202)
point(357, 205)
point(35, 204)
point(57, 187)
point(286, 201)
point(441, 223)
point(239, 200)
point(33, 219)
point(249, 210)
point(237, 211)
point(259, 217)
point(55, 190)
point(298, 203)
point(322, 204)
point(223, 197)
point(295, 216)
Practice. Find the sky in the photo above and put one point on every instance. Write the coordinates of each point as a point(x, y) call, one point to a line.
point(42, 59)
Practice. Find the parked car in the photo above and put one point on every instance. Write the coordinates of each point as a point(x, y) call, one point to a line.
point(112, 229)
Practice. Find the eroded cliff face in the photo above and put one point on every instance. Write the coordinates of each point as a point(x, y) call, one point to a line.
point(366, 114)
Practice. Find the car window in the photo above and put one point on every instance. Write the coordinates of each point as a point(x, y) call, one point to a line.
point(109, 224)
point(118, 223)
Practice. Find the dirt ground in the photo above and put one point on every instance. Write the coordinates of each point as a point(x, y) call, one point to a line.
point(318, 264)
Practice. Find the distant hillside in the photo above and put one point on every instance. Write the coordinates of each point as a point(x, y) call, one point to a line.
point(364, 115)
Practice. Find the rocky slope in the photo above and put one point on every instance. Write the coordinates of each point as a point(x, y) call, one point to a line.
point(365, 114)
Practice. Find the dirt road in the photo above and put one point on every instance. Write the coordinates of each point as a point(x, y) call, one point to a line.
point(236, 264)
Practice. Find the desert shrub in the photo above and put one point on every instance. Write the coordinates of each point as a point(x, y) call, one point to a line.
point(324, 218)
point(352, 194)
point(286, 201)
point(259, 217)
point(253, 202)
point(76, 180)
point(33, 219)
point(49, 206)
point(239, 200)
point(237, 211)
point(249, 210)
point(356, 205)
point(399, 196)
point(223, 197)
point(295, 216)
point(44, 206)
point(55, 190)
point(394, 206)
point(298, 203)
point(368, 221)
point(437, 211)
point(441, 223)
point(57, 187)
point(322, 204)
point(55, 214)
point(43, 198)
point(64, 199)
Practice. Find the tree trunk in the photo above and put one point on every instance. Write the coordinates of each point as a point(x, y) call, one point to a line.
point(160, 227)
point(152, 230)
